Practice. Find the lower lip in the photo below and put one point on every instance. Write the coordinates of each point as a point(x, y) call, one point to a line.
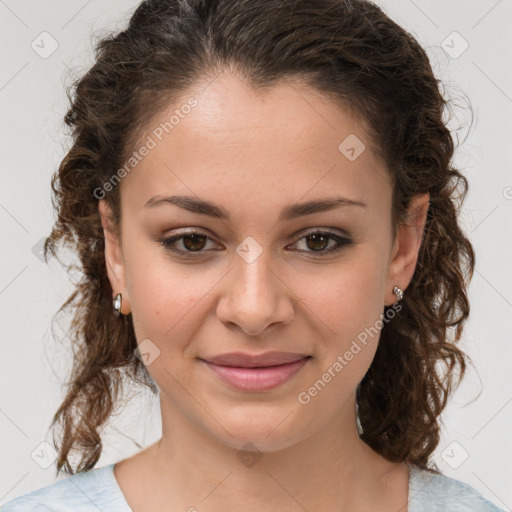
point(257, 379)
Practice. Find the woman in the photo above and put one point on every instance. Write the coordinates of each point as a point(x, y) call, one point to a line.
point(262, 199)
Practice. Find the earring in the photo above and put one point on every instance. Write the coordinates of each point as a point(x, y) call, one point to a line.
point(399, 293)
point(116, 303)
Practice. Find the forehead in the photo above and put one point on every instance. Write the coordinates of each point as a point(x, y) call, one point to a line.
point(226, 141)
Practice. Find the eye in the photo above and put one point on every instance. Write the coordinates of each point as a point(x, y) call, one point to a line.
point(194, 243)
point(318, 241)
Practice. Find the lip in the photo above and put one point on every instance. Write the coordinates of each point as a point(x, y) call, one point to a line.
point(256, 379)
point(246, 360)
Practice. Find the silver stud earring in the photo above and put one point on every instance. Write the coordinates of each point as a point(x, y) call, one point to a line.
point(399, 293)
point(116, 303)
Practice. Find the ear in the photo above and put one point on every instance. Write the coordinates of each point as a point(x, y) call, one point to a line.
point(114, 256)
point(407, 246)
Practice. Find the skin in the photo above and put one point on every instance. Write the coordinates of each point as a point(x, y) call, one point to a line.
point(254, 153)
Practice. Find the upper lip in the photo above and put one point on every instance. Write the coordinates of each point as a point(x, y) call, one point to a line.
point(245, 360)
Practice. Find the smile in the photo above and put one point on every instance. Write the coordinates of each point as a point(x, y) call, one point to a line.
point(257, 378)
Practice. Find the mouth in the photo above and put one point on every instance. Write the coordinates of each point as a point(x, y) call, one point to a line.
point(263, 360)
point(257, 378)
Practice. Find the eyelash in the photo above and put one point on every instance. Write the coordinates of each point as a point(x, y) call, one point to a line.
point(169, 241)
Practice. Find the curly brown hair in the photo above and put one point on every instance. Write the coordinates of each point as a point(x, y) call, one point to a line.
point(351, 51)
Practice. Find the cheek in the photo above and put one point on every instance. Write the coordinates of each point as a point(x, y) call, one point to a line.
point(346, 309)
point(344, 298)
point(345, 305)
point(162, 293)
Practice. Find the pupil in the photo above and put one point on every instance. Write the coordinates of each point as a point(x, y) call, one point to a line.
point(195, 244)
point(315, 239)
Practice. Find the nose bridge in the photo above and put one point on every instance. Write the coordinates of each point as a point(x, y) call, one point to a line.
point(254, 298)
point(255, 277)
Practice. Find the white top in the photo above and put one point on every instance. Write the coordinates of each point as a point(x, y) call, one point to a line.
point(98, 489)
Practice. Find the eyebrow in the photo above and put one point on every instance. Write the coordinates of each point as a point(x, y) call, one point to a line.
point(195, 205)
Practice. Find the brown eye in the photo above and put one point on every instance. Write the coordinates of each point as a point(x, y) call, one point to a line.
point(322, 243)
point(187, 243)
point(317, 242)
point(194, 242)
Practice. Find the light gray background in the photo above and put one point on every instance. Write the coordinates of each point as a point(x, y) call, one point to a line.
point(33, 103)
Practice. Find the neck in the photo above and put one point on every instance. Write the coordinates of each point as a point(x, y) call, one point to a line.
point(332, 469)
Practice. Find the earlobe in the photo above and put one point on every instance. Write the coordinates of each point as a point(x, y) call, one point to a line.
point(407, 244)
point(113, 256)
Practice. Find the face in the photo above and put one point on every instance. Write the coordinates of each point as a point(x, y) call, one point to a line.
point(256, 275)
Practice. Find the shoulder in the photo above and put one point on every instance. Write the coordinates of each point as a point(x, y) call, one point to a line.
point(429, 492)
point(90, 490)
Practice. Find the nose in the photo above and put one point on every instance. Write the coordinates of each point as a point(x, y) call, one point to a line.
point(254, 297)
